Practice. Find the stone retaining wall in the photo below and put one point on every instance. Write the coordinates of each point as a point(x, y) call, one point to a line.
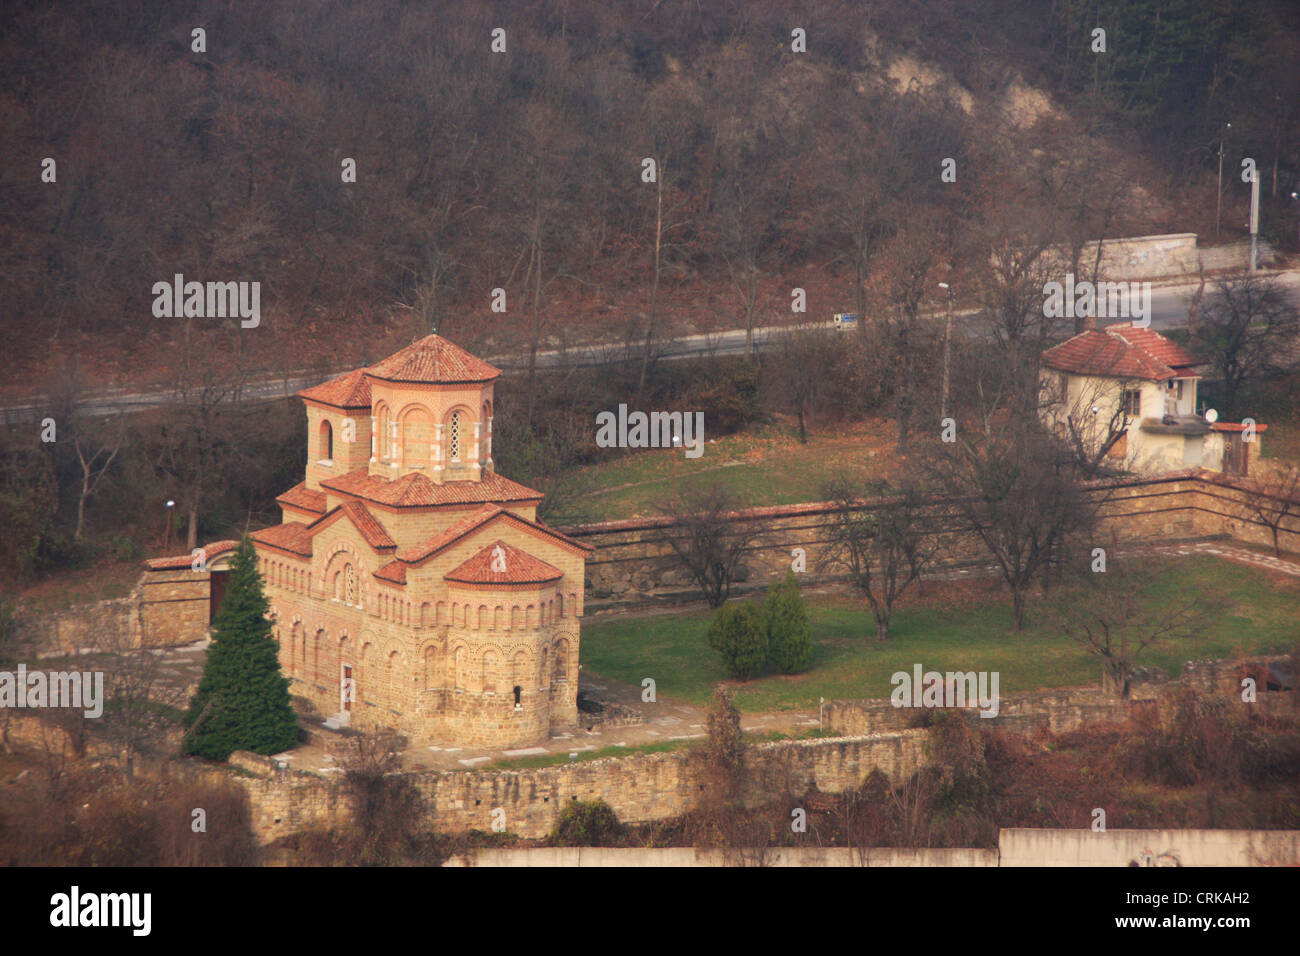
point(640, 788)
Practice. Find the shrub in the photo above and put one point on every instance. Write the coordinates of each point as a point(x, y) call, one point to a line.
point(789, 632)
point(587, 823)
point(739, 633)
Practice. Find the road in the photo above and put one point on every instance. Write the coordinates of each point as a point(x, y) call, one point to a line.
point(1169, 307)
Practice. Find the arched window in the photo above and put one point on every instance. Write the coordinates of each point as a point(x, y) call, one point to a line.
point(326, 441)
point(453, 437)
point(383, 440)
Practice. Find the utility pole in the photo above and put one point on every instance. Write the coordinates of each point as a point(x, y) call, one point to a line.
point(1218, 203)
point(1254, 222)
point(947, 340)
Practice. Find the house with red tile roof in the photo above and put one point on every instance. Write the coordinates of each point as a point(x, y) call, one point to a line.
point(1127, 395)
point(413, 587)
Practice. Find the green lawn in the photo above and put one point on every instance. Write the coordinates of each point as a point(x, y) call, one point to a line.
point(764, 466)
point(969, 631)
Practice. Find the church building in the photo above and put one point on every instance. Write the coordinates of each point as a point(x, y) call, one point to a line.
point(412, 586)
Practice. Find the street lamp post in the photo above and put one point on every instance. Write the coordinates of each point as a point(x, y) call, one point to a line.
point(947, 338)
point(167, 535)
point(677, 443)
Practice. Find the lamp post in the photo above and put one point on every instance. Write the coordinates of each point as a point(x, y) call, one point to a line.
point(167, 534)
point(947, 338)
point(1218, 203)
point(677, 443)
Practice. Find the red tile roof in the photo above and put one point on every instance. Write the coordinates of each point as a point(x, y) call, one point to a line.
point(394, 571)
point(520, 568)
point(347, 391)
point(1121, 351)
point(449, 535)
point(210, 552)
point(470, 523)
point(292, 537)
point(1160, 348)
point(303, 498)
point(374, 533)
point(414, 490)
point(433, 359)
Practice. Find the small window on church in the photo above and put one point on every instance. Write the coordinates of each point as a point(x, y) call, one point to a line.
point(453, 441)
point(349, 585)
point(518, 693)
point(326, 441)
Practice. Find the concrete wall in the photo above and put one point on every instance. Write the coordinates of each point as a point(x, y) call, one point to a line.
point(1016, 847)
point(1025, 847)
point(1157, 257)
point(688, 856)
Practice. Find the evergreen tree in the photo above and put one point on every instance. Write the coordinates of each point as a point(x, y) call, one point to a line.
point(243, 700)
point(789, 632)
point(739, 634)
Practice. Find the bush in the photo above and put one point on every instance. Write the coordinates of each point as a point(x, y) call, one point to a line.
point(789, 632)
point(739, 633)
point(587, 823)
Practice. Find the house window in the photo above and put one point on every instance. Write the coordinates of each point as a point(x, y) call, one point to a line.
point(1133, 402)
point(454, 441)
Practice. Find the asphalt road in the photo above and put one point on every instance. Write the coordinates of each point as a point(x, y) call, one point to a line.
point(1169, 310)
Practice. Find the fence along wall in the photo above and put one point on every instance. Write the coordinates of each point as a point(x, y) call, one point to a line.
point(633, 560)
point(633, 563)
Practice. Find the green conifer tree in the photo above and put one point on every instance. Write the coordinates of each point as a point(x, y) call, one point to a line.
point(789, 632)
point(243, 700)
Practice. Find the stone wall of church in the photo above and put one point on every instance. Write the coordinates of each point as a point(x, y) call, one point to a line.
point(432, 662)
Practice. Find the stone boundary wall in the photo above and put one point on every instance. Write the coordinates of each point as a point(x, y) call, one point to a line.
point(633, 562)
point(78, 629)
point(1069, 709)
point(1058, 711)
point(641, 788)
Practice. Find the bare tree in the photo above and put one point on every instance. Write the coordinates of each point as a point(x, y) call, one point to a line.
point(1014, 486)
point(710, 539)
point(1092, 418)
point(1274, 497)
point(884, 546)
point(140, 705)
point(1116, 616)
point(1247, 330)
point(803, 353)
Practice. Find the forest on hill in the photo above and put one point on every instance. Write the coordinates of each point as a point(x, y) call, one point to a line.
point(796, 143)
